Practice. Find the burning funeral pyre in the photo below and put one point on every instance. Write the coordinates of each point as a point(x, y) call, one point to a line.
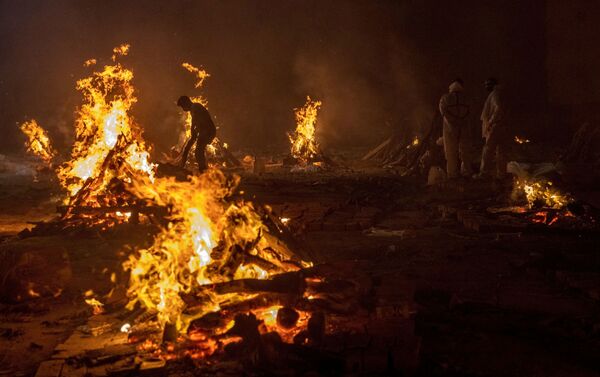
point(217, 272)
point(207, 241)
point(305, 153)
point(304, 144)
point(109, 151)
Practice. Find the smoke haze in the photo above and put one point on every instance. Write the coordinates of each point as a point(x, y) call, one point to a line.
point(376, 65)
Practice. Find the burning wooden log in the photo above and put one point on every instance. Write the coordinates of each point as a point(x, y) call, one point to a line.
point(298, 290)
point(287, 283)
point(158, 211)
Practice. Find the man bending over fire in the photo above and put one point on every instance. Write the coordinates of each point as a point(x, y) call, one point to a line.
point(203, 131)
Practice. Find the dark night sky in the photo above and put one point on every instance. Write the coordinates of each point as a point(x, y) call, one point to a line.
point(371, 62)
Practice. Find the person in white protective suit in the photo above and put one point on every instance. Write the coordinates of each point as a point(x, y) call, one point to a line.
point(455, 111)
point(494, 131)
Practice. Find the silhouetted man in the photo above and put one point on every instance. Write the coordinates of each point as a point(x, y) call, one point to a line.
point(203, 131)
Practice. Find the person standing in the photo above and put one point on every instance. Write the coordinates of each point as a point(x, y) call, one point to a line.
point(203, 131)
point(494, 131)
point(455, 111)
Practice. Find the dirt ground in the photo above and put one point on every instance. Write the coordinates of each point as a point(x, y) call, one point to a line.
point(484, 302)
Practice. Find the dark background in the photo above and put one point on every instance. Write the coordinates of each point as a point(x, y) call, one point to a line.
point(376, 65)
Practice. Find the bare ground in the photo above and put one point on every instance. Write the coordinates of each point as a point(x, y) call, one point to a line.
point(483, 303)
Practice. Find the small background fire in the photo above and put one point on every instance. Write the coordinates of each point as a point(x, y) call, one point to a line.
point(303, 140)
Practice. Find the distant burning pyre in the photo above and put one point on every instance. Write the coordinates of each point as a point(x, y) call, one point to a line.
point(304, 146)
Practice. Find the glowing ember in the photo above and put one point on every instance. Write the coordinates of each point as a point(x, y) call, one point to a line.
point(38, 142)
point(521, 140)
point(31, 291)
point(269, 318)
point(542, 193)
point(268, 315)
point(304, 144)
point(96, 305)
point(123, 215)
point(547, 217)
point(126, 328)
point(284, 220)
point(414, 143)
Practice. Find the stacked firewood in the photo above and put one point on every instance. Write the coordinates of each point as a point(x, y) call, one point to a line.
point(412, 155)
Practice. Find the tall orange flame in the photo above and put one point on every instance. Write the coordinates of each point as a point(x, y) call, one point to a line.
point(108, 142)
point(38, 142)
point(200, 74)
point(304, 144)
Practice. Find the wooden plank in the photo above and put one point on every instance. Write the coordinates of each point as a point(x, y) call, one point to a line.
point(376, 150)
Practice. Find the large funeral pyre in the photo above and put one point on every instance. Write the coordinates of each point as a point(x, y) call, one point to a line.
point(108, 149)
point(207, 241)
point(108, 152)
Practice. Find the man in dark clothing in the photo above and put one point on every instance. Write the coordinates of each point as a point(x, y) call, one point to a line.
point(203, 131)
